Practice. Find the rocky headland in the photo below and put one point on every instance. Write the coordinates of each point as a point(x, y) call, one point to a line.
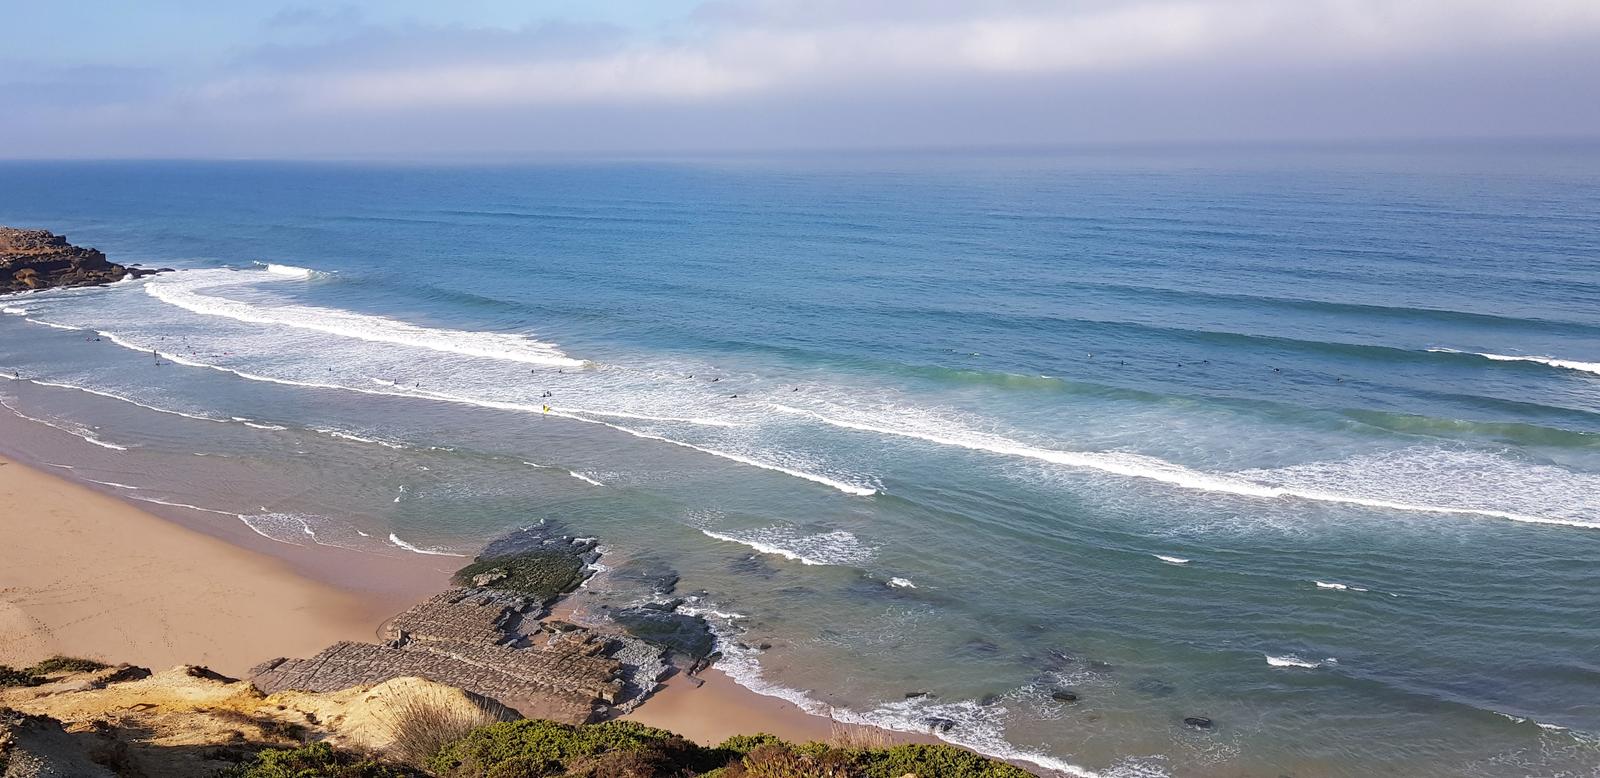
point(39, 259)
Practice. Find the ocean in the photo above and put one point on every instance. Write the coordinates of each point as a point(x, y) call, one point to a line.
point(1305, 441)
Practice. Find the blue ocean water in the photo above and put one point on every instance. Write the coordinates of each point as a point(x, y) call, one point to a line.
point(1304, 441)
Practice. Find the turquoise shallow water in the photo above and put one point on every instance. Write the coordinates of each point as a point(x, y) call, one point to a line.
point(1306, 442)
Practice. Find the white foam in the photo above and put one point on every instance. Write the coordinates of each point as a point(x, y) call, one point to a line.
point(113, 484)
point(1171, 560)
point(53, 325)
point(847, 488)
point(290, 271)
point(828, 548)
point(1338, 586)
point(128, 400)
point(77, 432)
point(1152, 468)
point(351, 436)
point(401, 494)
point(902, 583)
point(14, 311)
point(584, 478)
point(282, 527)
point(258, 425)
point(183, 289)
point(1567, 364)
point(1291, 660)
point(395, 539)
point(181, 505)
point(979, 727)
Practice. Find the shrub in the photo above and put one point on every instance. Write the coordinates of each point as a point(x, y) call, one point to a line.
point(783, 761)
point(11, 676)
point(739, 745)
point(533, 747)
point(542, 573)
point(934, 760)
point(67, 664)
point(318, 760)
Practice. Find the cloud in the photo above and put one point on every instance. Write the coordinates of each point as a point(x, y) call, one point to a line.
point(773, 47)
point(1000, 71)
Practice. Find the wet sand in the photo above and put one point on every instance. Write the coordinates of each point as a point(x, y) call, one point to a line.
point(85, 574)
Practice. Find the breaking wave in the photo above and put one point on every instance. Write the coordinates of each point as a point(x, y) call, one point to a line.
point(1566, 364)
point(184, 289)
point(828, 548)
point(395, 539)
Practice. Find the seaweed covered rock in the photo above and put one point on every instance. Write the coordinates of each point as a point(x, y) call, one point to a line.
point(539, 562)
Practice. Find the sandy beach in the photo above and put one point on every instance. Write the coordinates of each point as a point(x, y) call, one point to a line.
point(85, 574)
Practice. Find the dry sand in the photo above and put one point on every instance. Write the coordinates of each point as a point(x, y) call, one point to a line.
point(87, 575)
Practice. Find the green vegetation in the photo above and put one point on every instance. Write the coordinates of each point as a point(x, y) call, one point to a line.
point(33, 676)
point(317, 760)
point(544, 573)
point(535, 747)
point(532, 748)
point(623, 749)
point(11, 676)
point(67, 664)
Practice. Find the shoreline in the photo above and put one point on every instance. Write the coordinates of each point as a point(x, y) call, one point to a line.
point(112, 581)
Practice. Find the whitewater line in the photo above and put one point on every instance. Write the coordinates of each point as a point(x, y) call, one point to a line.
point(79, 433)
point(1151, 468)
point(182, 291)
point(1567, 364)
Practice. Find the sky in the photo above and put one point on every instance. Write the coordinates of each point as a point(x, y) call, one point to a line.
point(414, 78)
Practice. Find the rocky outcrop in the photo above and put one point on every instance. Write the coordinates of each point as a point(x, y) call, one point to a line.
point(38, 259)
point(489, 638)
point(190, 722)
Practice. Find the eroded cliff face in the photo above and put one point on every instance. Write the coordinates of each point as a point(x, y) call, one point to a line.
point(40, 259)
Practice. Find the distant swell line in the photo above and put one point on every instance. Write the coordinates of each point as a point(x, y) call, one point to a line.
point(1151, 468)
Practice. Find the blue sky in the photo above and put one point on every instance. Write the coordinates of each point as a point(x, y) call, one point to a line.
point(95, 78)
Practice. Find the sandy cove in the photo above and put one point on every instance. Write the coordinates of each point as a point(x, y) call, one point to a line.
point(85, 574)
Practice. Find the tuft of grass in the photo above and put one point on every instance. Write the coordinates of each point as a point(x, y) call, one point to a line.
point(67, 664)
point(423, 726)
point(543, 573)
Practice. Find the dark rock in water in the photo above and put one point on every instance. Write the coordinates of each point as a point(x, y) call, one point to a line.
point(678, 631)
point(652, 575)
point(980, 647)
point(989, 699)
point(38, 259)
point(917, 695)
point(753, 566)
point(1198, 722)
point(1064, 695)
point(1155, 687)
point(939, 723)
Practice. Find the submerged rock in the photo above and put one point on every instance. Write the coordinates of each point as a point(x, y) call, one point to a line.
point(1198, 722)
point(659, 624)
point(1064, 695)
